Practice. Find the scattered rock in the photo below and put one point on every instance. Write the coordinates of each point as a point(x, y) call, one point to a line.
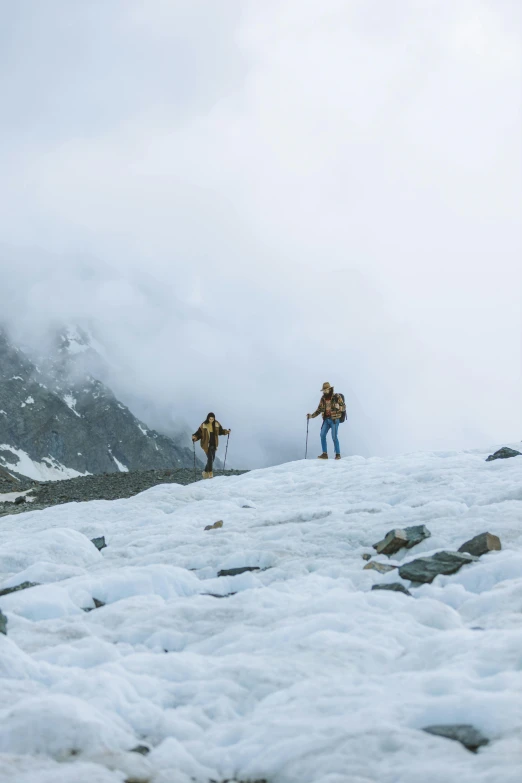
point(382, 568)
point(3, 623)
point(19, 500)
point(503, 453)
point(99, 542)
point(395, 586)
point(467, 735)
point(366, 556)
point(21, 586)
point(143, 750)
point(481, 544)
point(216, 595)
point(416, 534)
point(237, 571)
point(215, 526)
point(236, 780)
point(97, 605)
point(247, 506)
point(401, 538)
point(391, 543)
point(425, 569)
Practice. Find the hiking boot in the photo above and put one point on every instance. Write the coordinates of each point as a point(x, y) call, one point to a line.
point(210, 475)
point(205, 474)
point(337, 456)
point(324, 455)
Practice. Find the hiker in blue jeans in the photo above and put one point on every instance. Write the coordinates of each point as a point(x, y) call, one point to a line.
point(333, 409)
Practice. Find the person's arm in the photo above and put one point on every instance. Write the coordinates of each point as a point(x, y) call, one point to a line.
point(197, 435)
point(320, 409)
point(222, 431)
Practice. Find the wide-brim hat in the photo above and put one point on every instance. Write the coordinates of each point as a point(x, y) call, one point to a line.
point(326, 386)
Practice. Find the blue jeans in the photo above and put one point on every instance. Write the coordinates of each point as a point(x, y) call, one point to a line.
point(333, 425)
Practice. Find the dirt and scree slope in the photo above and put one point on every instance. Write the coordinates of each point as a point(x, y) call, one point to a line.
point(106, 486)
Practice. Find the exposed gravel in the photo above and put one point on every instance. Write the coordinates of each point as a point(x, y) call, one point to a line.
point(104, 486)
point(14, 482)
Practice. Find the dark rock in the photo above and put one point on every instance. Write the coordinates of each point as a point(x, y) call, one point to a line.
point(382, 568)
point(504, 453)
point(401, 538)
point(97, 605)
point(416, 534)
point(395, 586)
point(21, 586)
point(391, 543)
point(425, 569)
point(99, 542)
point(247, 506)
point(19, 500)
point(366, 556)
point(467, 735)
point(481, 544)
point(237, 571)
point(143, 750)
point(215, 526)
point(3, 623)
point(216, 595)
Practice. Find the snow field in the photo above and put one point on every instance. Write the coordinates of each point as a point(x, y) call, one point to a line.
point(303, 675)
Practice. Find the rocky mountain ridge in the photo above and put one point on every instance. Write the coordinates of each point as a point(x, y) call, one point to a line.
point(58, 421)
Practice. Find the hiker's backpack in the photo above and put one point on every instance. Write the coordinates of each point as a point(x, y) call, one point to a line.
point(343, 414)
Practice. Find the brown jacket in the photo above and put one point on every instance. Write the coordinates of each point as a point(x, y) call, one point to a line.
point(203, 434)
point(337, 406)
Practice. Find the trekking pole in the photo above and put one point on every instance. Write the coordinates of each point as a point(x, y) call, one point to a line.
point(306, 449)
point(226, 452)
point(194, 447)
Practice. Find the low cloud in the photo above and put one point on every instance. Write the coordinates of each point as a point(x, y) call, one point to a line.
point(245, 202)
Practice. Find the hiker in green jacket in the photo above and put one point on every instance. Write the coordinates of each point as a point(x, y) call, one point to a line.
point(332, 407)
point(208, 433)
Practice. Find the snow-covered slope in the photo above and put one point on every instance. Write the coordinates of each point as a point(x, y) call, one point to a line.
point(57, 421)
point(302, 674)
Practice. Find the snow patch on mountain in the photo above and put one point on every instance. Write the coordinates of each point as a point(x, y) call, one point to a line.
point(121, 467)
point(10, 497)
point(48, 469)
point(71, 402)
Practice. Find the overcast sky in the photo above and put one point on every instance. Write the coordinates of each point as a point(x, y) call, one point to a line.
point(249, 198)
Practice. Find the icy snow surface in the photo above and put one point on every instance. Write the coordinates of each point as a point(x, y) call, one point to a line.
point(304, 675)
point(48, 469)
